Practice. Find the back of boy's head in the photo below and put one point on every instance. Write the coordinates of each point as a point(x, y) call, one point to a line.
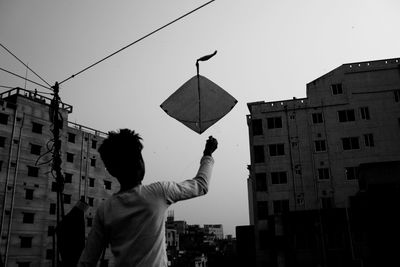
point(121, 154)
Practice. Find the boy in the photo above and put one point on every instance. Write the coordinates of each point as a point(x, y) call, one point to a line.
point(132, 221)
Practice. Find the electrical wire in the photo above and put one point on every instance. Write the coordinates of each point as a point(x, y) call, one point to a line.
point(24, 64)
point(25, 78)
point(138, 40)
point(8, 87)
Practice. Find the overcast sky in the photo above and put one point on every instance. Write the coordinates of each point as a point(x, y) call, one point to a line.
point(267, 51)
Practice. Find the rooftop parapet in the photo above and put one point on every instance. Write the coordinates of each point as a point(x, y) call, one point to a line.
point(372, 65)
point(262, 106)
point(87, 129)
point(33, 96)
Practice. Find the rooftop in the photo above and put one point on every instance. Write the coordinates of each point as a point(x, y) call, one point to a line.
point(33, 95)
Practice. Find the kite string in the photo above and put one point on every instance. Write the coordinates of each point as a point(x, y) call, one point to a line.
point(138, 40)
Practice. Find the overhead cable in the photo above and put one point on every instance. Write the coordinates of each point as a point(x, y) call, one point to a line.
point(12, 73)
point(24, 64)
point(138, 40)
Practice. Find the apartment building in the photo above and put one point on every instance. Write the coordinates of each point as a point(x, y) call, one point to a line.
point(28, 197)
point(306, 152)
point(216, 229)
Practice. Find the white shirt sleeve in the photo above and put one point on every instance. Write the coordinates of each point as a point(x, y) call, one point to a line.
point(191, 188)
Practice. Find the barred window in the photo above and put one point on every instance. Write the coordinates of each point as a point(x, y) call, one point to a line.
point(369, 140)
point(274, 122)
point(323, 174)
point(350, 143)
point(346, 115)
point(364, 113)
point(278, 178)
point(276, 149)
point(320, 145)
point(337, 89)
point(317, 118)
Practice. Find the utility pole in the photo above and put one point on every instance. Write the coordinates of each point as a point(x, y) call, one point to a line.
point(56, 165)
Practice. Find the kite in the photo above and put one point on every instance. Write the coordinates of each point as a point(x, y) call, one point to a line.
point(199, 103)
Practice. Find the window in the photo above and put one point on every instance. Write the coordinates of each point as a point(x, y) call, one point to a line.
point(350, 143)
point(317, 118)
point(67, 199)
point(276, 149)
point(364, 113)
point(278, 178)
point(91, 182)
point(94, 144)
point(67, 178)
point(261, 181)
point(33, 171)
point(35, 149)
point(93, 162)
point(52, 208)
point(71, 138)
point(28, 217)
point(259, 154)
point(89, 222)
point(50, 230)
point(275, 122)
point(107, 185)
point(90, 201)
point(337, 89)
point(297, 169)
point(54, 187)
point(320, 145)
point(264, 239)
point(396, 95)
point(281, 206)
point(369, 140)
point(1, 165)
point(262, 210)
point(23, 264)
point(346, 115)
point(25, 242)
point(49, 254)
point(323, 174)
point(3, 118)
point(37, 127)
point(257, 127)
point(29, 194)
point(351, 173)
point(327, 202)
point(70, 157)
point(2, 141)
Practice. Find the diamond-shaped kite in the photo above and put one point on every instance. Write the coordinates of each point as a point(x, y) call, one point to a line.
point(199, 103)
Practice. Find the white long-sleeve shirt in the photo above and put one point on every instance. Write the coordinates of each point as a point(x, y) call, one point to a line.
point(133, 222)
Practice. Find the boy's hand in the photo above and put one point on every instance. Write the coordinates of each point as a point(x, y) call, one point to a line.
point(211, 146)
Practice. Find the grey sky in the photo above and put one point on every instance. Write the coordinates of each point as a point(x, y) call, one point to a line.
point(267, 50)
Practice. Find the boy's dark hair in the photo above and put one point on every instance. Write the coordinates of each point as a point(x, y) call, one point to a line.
point(121, 152)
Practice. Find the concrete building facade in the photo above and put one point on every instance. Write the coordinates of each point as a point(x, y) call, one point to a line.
point(305, 153)
point(28, 196)
point(216, 229)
